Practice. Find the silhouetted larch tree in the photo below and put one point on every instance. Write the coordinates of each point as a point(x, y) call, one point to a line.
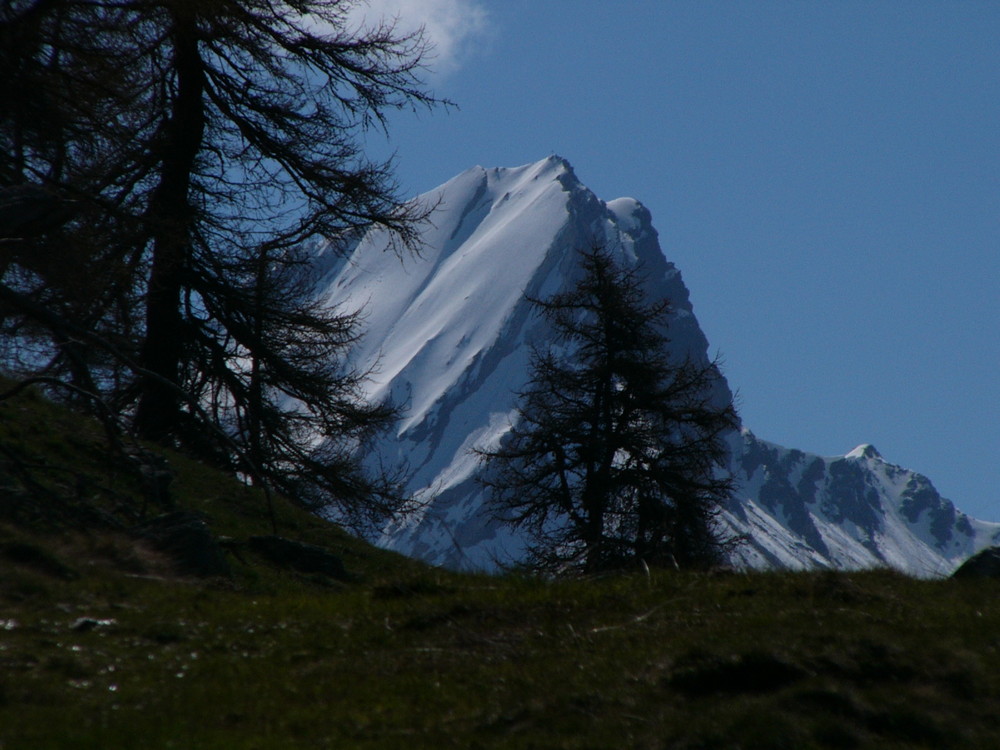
point(617, 453)
point(203, 144)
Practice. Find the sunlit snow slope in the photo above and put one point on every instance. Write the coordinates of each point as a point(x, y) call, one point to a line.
point(448, 335)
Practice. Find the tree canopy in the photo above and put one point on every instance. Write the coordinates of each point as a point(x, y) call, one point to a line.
point(196, 148)
point(616, 457)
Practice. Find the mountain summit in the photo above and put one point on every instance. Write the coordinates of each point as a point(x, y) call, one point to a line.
point(448, 335)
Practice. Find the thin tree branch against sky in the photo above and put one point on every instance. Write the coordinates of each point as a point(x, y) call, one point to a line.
point(825, 175)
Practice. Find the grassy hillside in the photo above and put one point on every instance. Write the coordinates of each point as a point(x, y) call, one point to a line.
point(103, 645)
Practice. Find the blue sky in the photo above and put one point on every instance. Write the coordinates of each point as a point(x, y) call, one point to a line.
point(826, 175)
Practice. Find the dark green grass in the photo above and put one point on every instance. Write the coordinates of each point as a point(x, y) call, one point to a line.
point(427, 659)
point(404, 656)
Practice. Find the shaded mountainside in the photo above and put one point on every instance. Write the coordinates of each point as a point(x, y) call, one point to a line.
point(448, 334)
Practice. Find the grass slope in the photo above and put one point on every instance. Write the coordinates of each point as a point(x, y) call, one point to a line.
point(101, 646)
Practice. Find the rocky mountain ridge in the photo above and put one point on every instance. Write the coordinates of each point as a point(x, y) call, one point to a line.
point(448, 335)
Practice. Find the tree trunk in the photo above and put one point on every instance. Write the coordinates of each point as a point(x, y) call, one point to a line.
point(170, 217)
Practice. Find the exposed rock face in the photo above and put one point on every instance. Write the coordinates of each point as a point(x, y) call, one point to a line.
point(852, 511)
point(305, 558)
point(185, 538)
point(448, 335)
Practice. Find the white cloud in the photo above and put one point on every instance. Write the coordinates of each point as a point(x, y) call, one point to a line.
point(451, 26)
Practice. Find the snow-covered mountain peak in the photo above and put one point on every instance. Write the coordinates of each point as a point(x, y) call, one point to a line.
point(865, 450)
point(448, 334)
